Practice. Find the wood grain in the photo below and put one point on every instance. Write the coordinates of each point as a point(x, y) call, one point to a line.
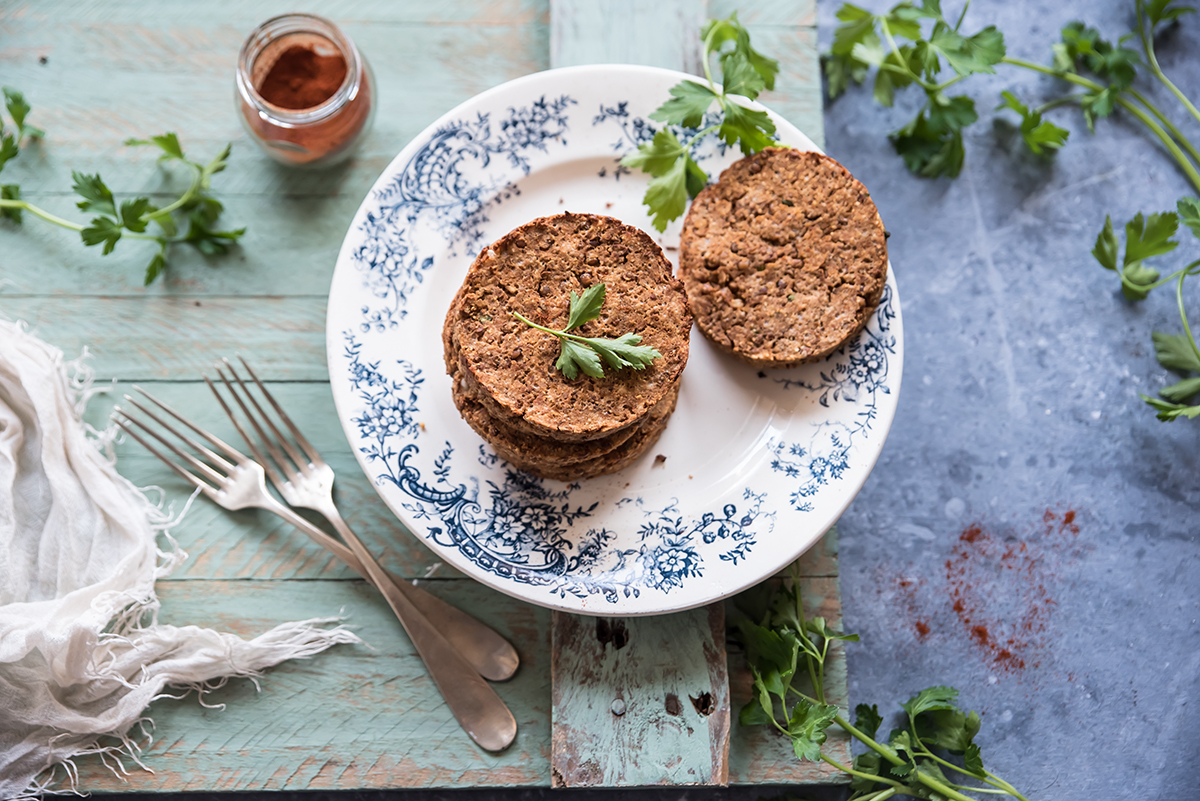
point(640, 701)
point(665, 33)
point(353, 716)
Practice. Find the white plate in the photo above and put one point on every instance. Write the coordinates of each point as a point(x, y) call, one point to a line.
point(758, 465)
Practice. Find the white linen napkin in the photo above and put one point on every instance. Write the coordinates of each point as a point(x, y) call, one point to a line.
point(81, 652)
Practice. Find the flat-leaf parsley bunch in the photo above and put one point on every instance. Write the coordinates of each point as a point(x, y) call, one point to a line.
point(931, 755)
point(195, 208)
point(745, 73)
point(914, 45)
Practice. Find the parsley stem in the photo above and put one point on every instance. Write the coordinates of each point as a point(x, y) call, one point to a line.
point(873, 777)
point(184, 198)
point(53, 218)
point(1003, 786)
point(1184, 162)
point(1183, 314)
point(1161, 282)
point(1180, 157)
point(881, 795)
point(559, 334)
point(902, 62)
point(1166, 123)
point(962, 16)
point(1066, 76)
point(980, 789)
point(949, 83)
point(869, 742)
point(818, 688)
point(45, 215)
point(1148, 45)
point(1061, 101)
point(687, 148)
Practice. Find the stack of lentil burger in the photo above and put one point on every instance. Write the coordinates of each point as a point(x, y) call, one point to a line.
point(505, 382)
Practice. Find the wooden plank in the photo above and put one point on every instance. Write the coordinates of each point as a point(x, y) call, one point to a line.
point(155, 338)
point(640, 701)
point(665, 33)
point(759, 754)
point(351, 716)
point(625, 716)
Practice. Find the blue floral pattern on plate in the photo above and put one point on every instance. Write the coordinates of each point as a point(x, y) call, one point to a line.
point(649, 539)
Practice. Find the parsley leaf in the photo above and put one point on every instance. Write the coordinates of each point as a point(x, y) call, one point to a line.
point(132, 212)
point(928, 150)
point(8, 148)
point(585, 307)
point(689, 101)
point(96, 195)
point(1189, 213)
point(1181, 391)
point(18, 109)
point(806, 726)
point(1037, 133)
point(10, 192)
point(931, 698)
point(104, 230)
point(751, 130)
point(1162, 11)
point(1150, 236)
point(168, 143)
point(575, 357)
point(867, 719)
point(1175, 352)
point(745, 72)
point(1107, 248)
point(1169, 412)
point(950, 729)
point(583, 354)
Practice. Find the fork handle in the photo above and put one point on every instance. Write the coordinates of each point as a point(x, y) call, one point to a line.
point(492, 656)
point(472, 701)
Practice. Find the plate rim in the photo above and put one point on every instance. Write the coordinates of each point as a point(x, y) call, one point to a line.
point(333, 341)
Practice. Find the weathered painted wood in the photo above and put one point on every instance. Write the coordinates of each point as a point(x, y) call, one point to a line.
point(665, 33)
point(640, 701)
point(759, 754)
point(622, 716)
point(172, 337)
point(352, 716)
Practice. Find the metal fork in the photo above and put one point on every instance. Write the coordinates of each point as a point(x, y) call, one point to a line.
point(234, 482)
point(306, 480)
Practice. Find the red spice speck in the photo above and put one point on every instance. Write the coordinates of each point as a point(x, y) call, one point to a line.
point(972, 534)
point(980, 633)
point(922, 628)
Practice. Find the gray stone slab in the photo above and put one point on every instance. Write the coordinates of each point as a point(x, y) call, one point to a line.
point(1020, 399)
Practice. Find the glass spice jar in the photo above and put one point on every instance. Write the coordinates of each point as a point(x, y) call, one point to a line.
point(306, 95)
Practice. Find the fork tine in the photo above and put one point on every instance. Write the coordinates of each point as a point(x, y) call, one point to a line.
point(308, 449)
point(208, 454)
point(295, 455)
point(187, 457)
point(218, 442)
point(173, 465)
point(272, 473)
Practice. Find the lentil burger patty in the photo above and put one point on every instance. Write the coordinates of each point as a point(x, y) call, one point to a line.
point(784, 258)
point(509, 366)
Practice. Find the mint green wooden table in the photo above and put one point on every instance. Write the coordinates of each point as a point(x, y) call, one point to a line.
point(352, 717)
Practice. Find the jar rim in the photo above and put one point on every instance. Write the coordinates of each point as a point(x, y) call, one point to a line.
point(297, 23)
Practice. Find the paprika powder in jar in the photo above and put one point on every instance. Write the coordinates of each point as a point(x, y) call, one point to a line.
point(305, 93)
